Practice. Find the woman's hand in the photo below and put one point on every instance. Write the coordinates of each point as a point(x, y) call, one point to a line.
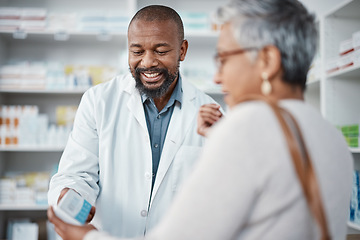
point(207, 116)
point(68, 231)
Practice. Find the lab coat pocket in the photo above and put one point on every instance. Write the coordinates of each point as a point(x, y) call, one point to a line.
point(184, 163)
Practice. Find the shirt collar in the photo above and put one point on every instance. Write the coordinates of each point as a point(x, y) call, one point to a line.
point(177, 94)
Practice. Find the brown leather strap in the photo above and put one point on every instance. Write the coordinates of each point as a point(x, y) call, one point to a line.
point(301, 160)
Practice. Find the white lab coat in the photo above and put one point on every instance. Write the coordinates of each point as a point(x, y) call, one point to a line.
point(108, 157)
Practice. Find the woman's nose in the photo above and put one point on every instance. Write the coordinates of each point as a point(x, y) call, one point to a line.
point(217, 78)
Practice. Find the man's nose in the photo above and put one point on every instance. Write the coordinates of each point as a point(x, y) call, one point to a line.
point(149, 60)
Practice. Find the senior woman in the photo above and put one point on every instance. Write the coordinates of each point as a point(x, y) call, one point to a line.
point(245, 185)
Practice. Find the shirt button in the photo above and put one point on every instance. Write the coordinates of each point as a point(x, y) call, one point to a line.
point(148, 175)
point(158, 117)
point(143, 213)
point(156, 145)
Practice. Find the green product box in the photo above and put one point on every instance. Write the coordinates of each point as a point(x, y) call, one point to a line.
point(350, 130)
point(352, 141)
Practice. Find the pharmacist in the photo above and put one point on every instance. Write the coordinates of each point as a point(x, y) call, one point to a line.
point(134, 139)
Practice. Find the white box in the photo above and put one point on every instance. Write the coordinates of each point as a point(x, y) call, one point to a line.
point(356, 40)
point(22, 231)
point(346, 46)
point(346, 60)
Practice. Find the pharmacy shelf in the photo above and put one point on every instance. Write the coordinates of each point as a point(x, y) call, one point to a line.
point(353, 225)
point(44, 91)
point(31, 149)
point(355, 150)
point(207, 34)
point(63, 36)
point(13, 207)
point(88, 36)
point(349, 72)
point(346, 9)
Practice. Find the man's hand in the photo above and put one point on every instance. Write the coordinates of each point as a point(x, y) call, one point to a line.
point(207, 116)
point(92, 210)
point(68, 231)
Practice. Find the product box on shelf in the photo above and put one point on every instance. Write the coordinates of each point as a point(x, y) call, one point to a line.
point(33, 14)
point(356, 40)
point(346, 46)
point(346, 60)
point(23, 75)
point(355, 200)
point(103, 22)
point(24, 126)
point(196, 21)
point(332, 65)
point(53, 75)
point(350, 130)
point(10, 13)
point(346, 52)
point(20, 229)
point(356, 57)
point(351, 134)
point(24, 188)
point(22, 18)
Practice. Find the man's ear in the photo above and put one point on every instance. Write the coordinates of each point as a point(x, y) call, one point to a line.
point(270, 58)
point(183, 49)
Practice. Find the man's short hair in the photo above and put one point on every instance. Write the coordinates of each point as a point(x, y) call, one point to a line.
point(153, 13)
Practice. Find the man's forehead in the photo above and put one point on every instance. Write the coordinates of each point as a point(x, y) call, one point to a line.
point(142, 23)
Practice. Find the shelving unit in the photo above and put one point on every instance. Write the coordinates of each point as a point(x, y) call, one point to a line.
point(10, 207)
point(355, 150)
point(31, 149)
point(335, 95)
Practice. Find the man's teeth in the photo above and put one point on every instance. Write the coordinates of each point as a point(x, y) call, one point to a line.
point(151, 75)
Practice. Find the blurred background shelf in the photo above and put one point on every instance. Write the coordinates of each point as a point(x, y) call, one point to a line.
point(13, 207)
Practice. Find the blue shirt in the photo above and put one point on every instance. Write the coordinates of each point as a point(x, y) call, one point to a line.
point(158, 122)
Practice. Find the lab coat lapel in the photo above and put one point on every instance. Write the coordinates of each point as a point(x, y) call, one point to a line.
point(181, 120)
point(135, 106)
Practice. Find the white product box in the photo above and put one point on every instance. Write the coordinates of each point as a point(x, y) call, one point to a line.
point(73, 208)
point(332, 65)
point(356, 40)
point(346, 46)
point(346, 60)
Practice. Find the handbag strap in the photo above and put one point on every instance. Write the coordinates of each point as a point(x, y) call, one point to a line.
point(301, 161)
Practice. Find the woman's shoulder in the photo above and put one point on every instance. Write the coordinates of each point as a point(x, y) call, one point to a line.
point(247, 118)
point(248, 112)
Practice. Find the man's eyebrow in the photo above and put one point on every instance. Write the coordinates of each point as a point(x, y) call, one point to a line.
point(162, 45)
point(135, 45)
point(156, 45)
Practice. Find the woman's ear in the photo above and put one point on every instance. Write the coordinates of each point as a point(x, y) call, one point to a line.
point(270, 58)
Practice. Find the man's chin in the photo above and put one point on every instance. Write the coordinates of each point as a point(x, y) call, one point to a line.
point(152, 86)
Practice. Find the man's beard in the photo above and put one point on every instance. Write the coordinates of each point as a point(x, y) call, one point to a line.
point(156, 92)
